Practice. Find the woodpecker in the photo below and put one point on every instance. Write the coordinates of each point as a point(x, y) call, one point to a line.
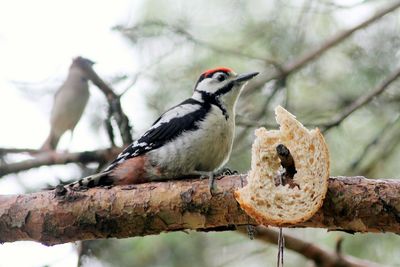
point(193, 138)
point(69, 102)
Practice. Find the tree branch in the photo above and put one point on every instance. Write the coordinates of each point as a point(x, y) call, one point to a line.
point(315, 53)
point(353, 204)
point(379, 137)
point(114, 104)
point(181, 31)
point(12, 150)
point(321, 256)
point(362, 100)
point(57, 158)
point(282, 72)
point(336, 39)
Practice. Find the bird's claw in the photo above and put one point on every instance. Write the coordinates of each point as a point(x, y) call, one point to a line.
point(211, 185)
point(226, 171)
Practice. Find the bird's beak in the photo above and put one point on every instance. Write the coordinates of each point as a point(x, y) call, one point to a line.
point(245, 77)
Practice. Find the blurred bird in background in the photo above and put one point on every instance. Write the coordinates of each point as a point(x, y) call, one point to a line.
point(69, 102)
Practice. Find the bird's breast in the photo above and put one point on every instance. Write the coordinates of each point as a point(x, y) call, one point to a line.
point(203, 149)
point(216, 137)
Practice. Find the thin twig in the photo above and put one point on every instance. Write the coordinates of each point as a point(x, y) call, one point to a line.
point(109, 129)
point(361, 101)
point(84, 251)
point(335, 5)
point(387, 149)
point(57, 158)
point(318, 51)
point(114, 105)
point(336, 39)
point(135, 78)
point(300, 27)
point(245, 122)
point(291, 67)
point(321, 256)
point(190, 37)
point(356, 162)
point(338, 246)
point(4, 151)
point(133, 81)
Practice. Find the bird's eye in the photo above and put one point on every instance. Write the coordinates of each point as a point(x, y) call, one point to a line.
point(221, 77)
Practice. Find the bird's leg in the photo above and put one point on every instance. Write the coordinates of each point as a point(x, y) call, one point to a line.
point(211, 178)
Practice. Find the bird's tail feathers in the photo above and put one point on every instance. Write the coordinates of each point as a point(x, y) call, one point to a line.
point(98, 179)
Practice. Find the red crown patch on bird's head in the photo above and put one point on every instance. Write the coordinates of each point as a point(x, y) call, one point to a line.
point(209, 73)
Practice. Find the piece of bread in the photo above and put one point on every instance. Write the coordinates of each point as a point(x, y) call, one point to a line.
point(278, 205)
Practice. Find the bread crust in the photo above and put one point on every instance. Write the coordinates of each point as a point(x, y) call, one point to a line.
point(252, 209)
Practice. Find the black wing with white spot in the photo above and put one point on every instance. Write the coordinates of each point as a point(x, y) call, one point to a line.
point(181, 118)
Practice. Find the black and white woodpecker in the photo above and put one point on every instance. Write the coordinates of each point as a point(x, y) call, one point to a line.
point(192, 138)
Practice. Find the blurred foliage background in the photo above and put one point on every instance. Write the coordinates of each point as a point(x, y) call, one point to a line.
point(177, 40)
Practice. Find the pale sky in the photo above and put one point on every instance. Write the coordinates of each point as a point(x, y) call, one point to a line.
point(38, 39)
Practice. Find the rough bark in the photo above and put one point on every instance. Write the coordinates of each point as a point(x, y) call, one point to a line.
point(353, 204)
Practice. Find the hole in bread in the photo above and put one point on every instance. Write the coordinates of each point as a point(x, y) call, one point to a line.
point(289, 168)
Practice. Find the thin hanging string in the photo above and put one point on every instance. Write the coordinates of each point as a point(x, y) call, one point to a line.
point(281, 240)
point(281, 247)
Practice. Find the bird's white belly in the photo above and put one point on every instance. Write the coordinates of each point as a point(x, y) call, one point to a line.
point(205, 149)
point(215, 148)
